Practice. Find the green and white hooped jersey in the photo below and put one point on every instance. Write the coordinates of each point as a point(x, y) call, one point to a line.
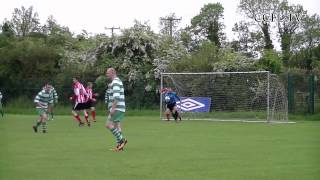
point(43, 99)
point(115, 91)
point(54, 94)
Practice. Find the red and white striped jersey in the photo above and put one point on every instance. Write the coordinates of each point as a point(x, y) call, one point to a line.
point(80, 93)
point(90, 93)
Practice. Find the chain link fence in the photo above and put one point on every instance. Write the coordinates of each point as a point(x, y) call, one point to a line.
point(302, 89)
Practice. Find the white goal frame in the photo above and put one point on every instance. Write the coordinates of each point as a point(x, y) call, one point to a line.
point(269, 110)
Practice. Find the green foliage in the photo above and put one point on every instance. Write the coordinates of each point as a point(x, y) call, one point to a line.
point(132, 55)
point(27, 63)
point(32, 54)
point(306, 45)
point(28, 58)
point(270, 61)
point(200, 61)
point(209, 23)
point(232, 61)
point(170, 51)
point(7, 29)
point(209, 58)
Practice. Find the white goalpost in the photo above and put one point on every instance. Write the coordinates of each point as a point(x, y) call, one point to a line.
point(255, 96)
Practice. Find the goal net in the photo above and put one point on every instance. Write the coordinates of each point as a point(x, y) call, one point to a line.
point(228, 96)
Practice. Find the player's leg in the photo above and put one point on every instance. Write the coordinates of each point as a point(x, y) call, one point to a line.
point(50, 111)
point(87, 110)
point(39, 121)
point(118, 126)
point(172, 111)
point(111, 126)
point(77, 117)
point(76, 109)
point(86, 116)
point(167, 113)
point(93, 113)
point(114, 130)
point(44, 118)
point(75, 114)
point(123, 141)
point(175, 113)
point(113, 123)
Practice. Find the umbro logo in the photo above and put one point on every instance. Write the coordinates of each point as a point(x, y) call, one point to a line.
point(189, 104)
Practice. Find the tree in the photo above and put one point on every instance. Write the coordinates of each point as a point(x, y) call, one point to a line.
point(25, 21)
point(185, 37)
point(170, 51)
point(248, 42)
point(306, 43)
point(79, 55)
point(208, 24)
point(132, 54)
point(311, 31)
point(288, 21)
point(7, 29)
point(261, 12)
point(27, 61)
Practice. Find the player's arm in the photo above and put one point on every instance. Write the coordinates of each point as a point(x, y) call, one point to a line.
point(55, 95)
point(85, 92)
point(95, 95)
point(76, 91)
point(106, 97)
point(177, 97)
point(73, 97)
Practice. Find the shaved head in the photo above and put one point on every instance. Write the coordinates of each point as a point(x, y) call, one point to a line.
point(111, 70)
point(111, 73)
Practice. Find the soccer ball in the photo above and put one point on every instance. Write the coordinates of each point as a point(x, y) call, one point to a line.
point(167, 98)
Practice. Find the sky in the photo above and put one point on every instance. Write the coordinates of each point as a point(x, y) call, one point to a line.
point(96, 15)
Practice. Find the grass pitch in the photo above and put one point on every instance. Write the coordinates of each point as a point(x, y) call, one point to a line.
point(159, 150)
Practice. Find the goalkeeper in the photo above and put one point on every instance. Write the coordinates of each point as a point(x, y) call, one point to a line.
point(170, 99)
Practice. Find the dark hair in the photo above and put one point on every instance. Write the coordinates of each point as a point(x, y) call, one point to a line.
point(77, 77)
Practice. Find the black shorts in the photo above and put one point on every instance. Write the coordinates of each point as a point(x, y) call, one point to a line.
point(90, 104)
point(171, 106)
point(81, 106)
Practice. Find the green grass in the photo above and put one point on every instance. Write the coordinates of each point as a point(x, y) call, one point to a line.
point(159, 150)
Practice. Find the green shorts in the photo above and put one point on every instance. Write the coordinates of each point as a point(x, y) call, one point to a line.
point(116, 117)
point(41, 111)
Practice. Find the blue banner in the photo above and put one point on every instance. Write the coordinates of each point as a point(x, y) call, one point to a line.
point(194, 104)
